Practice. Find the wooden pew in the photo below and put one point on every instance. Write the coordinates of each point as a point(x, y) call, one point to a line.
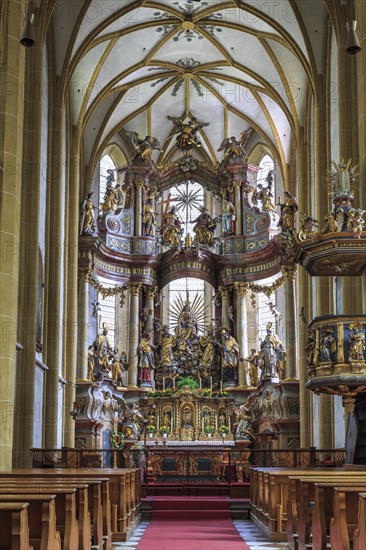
point(43, 534)
point(66, 522)
point(344, 521)
point(14, 527)
point(359, 537)
point(82, 501)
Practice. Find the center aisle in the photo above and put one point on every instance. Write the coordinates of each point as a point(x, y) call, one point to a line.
point(191, 534)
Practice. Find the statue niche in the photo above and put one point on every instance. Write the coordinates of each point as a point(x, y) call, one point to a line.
point(187, 422)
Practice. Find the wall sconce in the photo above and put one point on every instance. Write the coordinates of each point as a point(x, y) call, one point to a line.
point(352, 43)
point(27, 37)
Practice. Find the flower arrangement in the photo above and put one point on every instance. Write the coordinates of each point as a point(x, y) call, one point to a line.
point(150, 429)
point(164, 430)
point(209, 429)
point(220, 393)
point(224, 430)
point(206, 392)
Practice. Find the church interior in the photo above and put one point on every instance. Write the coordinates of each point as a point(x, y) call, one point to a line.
point(183, 274)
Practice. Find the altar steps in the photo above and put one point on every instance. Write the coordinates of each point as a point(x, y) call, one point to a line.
point(234, 490)
point(194, 508)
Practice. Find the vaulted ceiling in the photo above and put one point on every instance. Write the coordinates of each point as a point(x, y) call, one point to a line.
point(234, 64)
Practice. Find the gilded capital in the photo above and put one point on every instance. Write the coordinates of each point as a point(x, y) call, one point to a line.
point(135, 288)
point(225, 292)
point(241, 288)
point(84, 274)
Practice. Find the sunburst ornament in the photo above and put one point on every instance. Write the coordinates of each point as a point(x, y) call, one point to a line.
point(182, 311)
point(343, 178)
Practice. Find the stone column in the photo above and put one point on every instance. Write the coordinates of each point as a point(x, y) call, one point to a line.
point(150, 305)
point(241, 328)
point(138, 208)
point(55, 247)
point(238, 221)
point(134, 334)
point(291, 327)
point(11, 147)
point(225, 295)
point(83, 325)
point(304, 393)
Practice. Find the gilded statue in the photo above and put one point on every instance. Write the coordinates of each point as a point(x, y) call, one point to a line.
point(328, 346)
point(264, 195)
point(253, 359)
point(235, 148)
point(186, 329)
point(204, 228)
point(243, 424)
point(308, 227)
point(132, 421)
point(167, 342)
point(288, 212)
point(332, 225)
point(147, 358)
point(355, 222)
point(207, 344)
point(357, 342)
point(149, 218)
point(187, 421)
point(172, 228)
point(187, 132)
point(87, 225)
point(91, 364)
point(113, 199)
point(144, 147)
point(228, 218)
point(230, 358)
point(119, 366)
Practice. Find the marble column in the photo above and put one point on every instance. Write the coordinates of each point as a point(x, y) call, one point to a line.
point(134, 334)
point(55, 247)
point(138, 208)
point(291, 327)
point(150, 305)
point(83, 326)
point(12, 75)
point(241, 328)
point(225, 302)
point(238, 221)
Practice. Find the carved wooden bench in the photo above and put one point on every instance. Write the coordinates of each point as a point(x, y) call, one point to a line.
point(359, 537)
point(14, 527)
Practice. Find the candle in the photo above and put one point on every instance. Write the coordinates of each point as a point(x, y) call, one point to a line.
point(220, 385)
point(200, 383)
point(211, 383)
point(163, 383)
point(153, 384)
point(174, 382)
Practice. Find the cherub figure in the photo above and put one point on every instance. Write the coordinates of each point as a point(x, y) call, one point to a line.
point(307, 224)
point(331, 225)
point(145, 146)
point(355, 222)
point(235, 148)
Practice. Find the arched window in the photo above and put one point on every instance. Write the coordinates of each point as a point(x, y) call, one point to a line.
point(106, 164)
point(265, 165)
point(107, 314)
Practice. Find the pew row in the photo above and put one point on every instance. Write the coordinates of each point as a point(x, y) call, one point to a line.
point(14, 526)
point(359, 537)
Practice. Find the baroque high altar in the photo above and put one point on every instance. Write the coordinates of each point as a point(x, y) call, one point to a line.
point(191, 369)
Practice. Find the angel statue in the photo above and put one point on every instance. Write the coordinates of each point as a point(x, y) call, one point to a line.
point(235, 148)
point(145, 146)
point(87, 225)
point(243, 423)
point(187, 138)
point(277, 315)
point(307, 224)
point(355, 222)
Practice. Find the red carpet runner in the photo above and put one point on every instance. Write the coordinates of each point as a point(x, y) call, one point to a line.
point(191, 524)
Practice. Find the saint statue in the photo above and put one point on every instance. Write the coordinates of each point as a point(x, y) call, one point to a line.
point(288, 211)
point(207, 344)
point(167, 342)
point(147, 358)
point(172, 228)
point(230, 356)
point(253, 360)
point(91, 364)
point(204, 228)
point(328, 346)
point(357, 343)
point(104, 351)
point(270, 347)
point(228, 218)
point(187, 418)
point(187, 328)
point(113, 199)
point(87, 225)
point(149, 218)
point(119, 366)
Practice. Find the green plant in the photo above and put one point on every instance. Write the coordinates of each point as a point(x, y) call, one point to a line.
point(187, 381)
point(209, 429)
point(224, 430)
point(164, 430)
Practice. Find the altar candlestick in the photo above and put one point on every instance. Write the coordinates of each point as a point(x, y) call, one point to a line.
point(153, 383)
point(200, 383)
point(163, 383)
point(211, 383)
point(115, 422)
point(173, 382)
point(220, 385)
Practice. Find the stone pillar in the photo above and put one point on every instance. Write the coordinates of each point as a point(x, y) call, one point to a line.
point(11, 147)
point(304, 393)
point(138, 208)
point(134, 334)
point(291, 327)
point(55, 247)
point(241, 328)
point(150, 305)
point(83, 326)
point(238, 221)
point(225, 295)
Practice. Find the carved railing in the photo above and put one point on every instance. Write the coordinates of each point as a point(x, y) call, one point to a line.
point(160, 464)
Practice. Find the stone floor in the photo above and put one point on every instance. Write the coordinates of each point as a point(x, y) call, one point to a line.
point(252, 535)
